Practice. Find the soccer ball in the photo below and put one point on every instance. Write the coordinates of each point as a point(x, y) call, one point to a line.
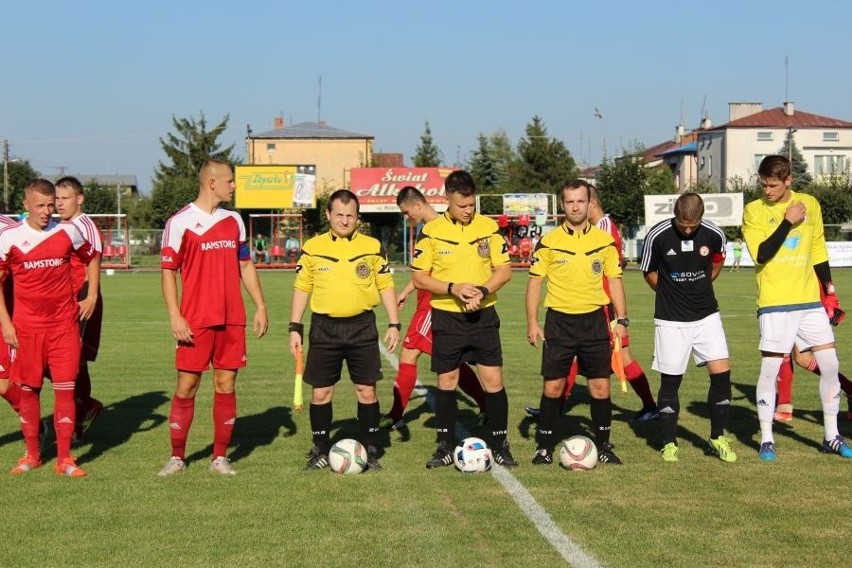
point(348, 456)
point(578, 452)
point(472, 456)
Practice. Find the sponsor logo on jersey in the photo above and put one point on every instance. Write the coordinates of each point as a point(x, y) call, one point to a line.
point(793, 239)
point(199, 226)
point(167, 259)
point(320, 269)
point(417, 252)
point(25, 244)
point(483, 248)
point(217, 245)
point(43, 263)
point(362, 270)
point(671, 253)
point(442, 253)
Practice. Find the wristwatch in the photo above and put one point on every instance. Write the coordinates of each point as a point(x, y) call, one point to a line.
point(623, 321)
point(396, 325)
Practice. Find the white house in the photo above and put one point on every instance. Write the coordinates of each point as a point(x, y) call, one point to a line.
point(729, 154)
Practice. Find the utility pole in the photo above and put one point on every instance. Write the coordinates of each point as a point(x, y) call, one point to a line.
point(5, 175)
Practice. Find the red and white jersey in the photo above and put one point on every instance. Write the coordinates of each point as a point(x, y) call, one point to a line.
point(606, 225)
point(6, 221)
point(207, 249)
point(92, 234)
point(40, 265)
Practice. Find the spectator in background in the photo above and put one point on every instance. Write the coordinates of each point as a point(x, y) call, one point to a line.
point(291, 247)
point(259, 248)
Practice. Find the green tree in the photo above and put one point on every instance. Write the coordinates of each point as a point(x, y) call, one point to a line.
point(798, 165)
point(176, 181)
point(835, 197)
point(21, 173)
point(543, 163)
point(622, 184)
point(100, 199)
point(427, 155)
point(661, 181)
point(504, 156)
point(483, 168)
point(139, 211)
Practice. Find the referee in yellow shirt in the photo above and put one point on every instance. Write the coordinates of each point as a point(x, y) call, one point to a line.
point(575, 257)
point(462, 260)
point(344, 274)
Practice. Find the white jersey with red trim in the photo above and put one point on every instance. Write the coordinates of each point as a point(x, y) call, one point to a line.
point(92, 234)
point(207, 249)
point(40, 264)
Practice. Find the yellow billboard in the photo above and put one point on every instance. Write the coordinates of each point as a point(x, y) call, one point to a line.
point(275, 187)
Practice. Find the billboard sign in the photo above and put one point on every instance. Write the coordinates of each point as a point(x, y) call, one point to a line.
point(377, 188)
point(526, 204)
point(275, 187)
point(724, 209)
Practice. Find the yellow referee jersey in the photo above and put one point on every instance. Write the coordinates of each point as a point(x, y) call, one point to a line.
point(575, 263)
point(343, 275)
point(453, 252)
point(788, 279)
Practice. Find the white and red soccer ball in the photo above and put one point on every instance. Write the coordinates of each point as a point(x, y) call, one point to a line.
point(348, 456)
point(578, 453)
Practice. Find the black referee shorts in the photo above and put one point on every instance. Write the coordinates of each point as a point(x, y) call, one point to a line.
point(461, 337)
point(335, 340)
point(585, 336)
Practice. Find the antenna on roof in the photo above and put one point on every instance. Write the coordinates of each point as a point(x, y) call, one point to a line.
point(703, 110)
point(319, 98)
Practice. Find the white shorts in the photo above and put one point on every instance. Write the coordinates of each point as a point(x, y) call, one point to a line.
point(675, 341)
point(804, 328)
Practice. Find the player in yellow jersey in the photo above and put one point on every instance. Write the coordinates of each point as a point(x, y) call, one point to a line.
point(462, 260)
point(344, 274)
point(575, 258)
point(785, 236)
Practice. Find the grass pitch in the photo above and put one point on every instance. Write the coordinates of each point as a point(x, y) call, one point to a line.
point(646, 513)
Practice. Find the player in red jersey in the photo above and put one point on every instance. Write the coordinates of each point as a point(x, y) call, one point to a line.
point(418, 337)
point(9, 391)
point(43, 330)
point(69, 206)
point(636, 377)
point(208, 245)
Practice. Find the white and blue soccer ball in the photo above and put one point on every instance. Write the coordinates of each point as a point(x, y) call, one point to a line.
point(348, 456)
point(578, 453)
point(472, 455)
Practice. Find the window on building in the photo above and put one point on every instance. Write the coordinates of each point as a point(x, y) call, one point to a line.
point(830, 164)
point(830, 136)
point(270, 147)
point(764, 136)
point(757, 159)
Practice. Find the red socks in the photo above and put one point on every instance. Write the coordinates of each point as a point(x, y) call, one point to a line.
point(403, 385)
point(637, 379)
point(64, 418)
point(224, 417)
point(785, 382)
point(180, 419)
point(30, 418)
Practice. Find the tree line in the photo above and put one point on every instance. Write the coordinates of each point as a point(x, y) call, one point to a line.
point(537, 163)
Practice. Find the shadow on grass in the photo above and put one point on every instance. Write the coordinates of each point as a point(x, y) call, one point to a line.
point(745, 427)
point(251, 432)
point(119, 421)
point(573, 420)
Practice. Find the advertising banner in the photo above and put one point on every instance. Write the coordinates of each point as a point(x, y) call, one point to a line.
point(724, 209)
point(377, 188)
point(275, 187)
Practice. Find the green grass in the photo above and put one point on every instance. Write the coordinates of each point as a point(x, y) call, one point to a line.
point(647, 513)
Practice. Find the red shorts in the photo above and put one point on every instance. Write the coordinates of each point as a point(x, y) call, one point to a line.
point(56, 351)
point(5, 360)
point(223, 345)
point(419, 333)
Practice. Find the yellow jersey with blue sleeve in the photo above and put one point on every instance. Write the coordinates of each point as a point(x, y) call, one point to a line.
point(454, 252)
point(343, 275)
point(787, 281)
point(575, 264)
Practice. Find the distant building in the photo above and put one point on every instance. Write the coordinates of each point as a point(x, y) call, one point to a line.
point(729, 154)
point(333, 151)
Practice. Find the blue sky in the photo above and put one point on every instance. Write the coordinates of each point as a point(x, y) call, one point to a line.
point(90, 86)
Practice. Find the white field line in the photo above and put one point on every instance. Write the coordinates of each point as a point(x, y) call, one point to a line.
point(567, 548)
